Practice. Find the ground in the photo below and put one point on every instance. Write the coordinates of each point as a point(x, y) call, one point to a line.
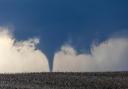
point(108, 80)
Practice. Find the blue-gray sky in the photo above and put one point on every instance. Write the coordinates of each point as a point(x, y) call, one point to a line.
point(56, 22)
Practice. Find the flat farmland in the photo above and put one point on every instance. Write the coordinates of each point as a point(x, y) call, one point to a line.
point(105, 80)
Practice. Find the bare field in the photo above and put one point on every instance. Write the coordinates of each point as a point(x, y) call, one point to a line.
point(108, 80)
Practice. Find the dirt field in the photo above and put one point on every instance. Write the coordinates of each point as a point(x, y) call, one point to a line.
point(109, 80)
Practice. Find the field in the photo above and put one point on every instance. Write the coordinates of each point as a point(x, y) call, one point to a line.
point(109, 80)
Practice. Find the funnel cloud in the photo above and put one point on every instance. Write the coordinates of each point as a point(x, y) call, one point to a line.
point(24, 56)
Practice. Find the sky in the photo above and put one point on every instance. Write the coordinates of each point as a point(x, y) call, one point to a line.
point(68, 26)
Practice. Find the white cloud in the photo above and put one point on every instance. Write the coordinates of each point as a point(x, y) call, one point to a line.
point(20, 56)
point(111, 55)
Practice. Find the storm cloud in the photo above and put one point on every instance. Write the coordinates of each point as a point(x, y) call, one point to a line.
point(110, 55)
point(20, 56)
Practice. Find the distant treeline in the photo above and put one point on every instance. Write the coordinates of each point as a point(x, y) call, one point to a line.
point(124, 73)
